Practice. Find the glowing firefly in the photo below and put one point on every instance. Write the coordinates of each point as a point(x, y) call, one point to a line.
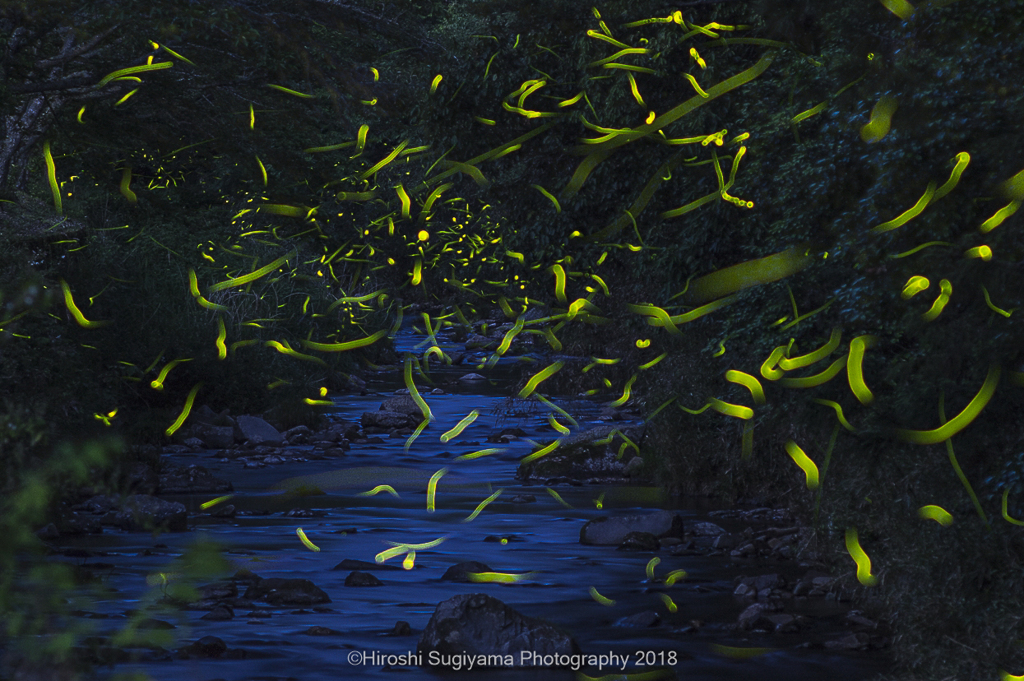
point(305, 540)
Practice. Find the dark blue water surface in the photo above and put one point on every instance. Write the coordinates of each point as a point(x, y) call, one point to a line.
point(544, 538)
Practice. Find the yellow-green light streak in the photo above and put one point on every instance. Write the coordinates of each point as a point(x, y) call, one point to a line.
point(378, 489)
point(908, 214)
point(158, 382)
point(171, 429)
point(479, 453)
point(999, 216)
point(558, 497)
point(498, 577)
point(1006, 513)
point(348, 345)
point(625, 393)
point(305, 540)
point(748, 382)
point(289, 91)
point(864, 575)
point(962, 159)
point(481, 506)
point(599, 598)
point(460, 426)
point(806, 465)
point(901, 8)
point(839, 413)
point(213, 502)
point(80, 319)
point(432, 487)
point(134, 69)
point(384, 161)
point(877, 126)
point(961, 420)
point(817, 379)
point(540, 376)
point(252, 276)
point(735, 410)
point(414, 393)
point(945, 291)
point(51, 176)
point(936, 513)
point(855, 369)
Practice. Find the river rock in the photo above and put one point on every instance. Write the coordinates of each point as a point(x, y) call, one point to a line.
point(706, 530)
point(256, 430)
point(641, 620)
point(206, 647)
point(472, 377)
point(612, 531)
point(141, 478)
point(478, 624)
point(321, 631)
point(639, 541)
point(753, 616)
point(279, 591)
point(858, 641)
point(205, 414)
point(299, 435)
point(48, 532)
point(351, 564)
point(357, 578)
point(783, 623)
point(214, 437)
point(458, 573)
point(221, 612)
point(478, 342)
point(584, 455)
point(143, 512)
point(176, 479)
point(384, 419)
point(403, 404)
point(634, 467)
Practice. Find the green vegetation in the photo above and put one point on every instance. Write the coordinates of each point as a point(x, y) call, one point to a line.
point(549, 165)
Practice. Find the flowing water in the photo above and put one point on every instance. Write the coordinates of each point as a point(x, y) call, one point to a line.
point(543, 537)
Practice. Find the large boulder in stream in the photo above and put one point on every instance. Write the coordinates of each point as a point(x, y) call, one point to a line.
point(176, 479)
point(385, 419)
point(399, 411)
point(461, 571)
point(279, 591)
point(257, 431)
point(403, 404)
point(613, 530)
point(478, 624)
point(142, 512)
point(214, 437)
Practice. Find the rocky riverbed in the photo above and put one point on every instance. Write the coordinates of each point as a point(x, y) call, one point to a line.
point(581, 555)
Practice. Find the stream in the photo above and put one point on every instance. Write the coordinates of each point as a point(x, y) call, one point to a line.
point(543, 538)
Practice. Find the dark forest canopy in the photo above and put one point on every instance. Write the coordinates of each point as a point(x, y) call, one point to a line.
point(726, 182)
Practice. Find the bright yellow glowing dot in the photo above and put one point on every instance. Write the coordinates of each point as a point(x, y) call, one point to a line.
point(391, 261)
point(423, 235)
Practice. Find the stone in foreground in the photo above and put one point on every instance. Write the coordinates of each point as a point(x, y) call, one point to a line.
point(142, 512)
point(612, 531)
point(278, 591)
point(478, 624)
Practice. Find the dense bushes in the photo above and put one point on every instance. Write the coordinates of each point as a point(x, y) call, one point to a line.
point(223, 190)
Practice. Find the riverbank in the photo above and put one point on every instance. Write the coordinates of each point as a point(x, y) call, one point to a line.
point(746, 590)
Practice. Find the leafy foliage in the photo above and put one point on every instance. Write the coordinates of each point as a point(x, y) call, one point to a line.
point(369, 180)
